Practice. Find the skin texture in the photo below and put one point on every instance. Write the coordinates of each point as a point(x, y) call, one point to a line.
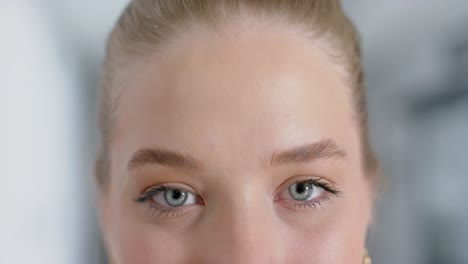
point(231, 99)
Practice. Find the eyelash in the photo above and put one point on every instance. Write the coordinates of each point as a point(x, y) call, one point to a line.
point(313, 204)
point(167, 212)
point(150, 193)
point(162, 211)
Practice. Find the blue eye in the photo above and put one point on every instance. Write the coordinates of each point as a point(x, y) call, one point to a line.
point(174, 198)
point(170, 201)
point(304, 191)
point(168, 197)
point(306, 194)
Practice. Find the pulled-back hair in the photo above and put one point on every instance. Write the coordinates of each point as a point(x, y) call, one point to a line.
point(146, 25)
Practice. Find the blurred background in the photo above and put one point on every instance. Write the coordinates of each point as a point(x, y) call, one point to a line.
point(416, 63)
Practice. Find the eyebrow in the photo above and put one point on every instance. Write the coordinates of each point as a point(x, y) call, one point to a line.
point(326, 148)
point(163, 157)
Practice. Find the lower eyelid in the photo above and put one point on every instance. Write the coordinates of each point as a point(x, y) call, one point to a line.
point(161, 212)
point(315, 204)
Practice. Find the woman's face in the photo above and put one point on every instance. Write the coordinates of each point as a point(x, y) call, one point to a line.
point(235, 147)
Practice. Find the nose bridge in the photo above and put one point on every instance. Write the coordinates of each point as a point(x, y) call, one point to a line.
point(244, 230)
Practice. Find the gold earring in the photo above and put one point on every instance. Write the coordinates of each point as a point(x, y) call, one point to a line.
point(365, 257)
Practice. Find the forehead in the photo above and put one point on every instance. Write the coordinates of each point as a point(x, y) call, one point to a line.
point(237, 92)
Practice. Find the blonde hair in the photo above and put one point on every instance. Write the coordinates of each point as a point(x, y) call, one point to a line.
point(145, 25)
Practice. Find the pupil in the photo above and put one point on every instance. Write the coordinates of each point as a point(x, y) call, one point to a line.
point(176, 194)
point(300, 188)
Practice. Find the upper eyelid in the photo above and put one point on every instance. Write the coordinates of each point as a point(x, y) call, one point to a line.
point(145, 196)
point(170, 186)
point(157, 189)
point(321, 182)
point(301, 179)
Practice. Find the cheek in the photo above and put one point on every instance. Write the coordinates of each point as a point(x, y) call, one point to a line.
point(330, 242)
point(131, 240)
point(144, 243)
point(338, 237)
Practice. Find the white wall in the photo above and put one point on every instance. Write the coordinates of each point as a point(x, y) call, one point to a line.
point(46, 199)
